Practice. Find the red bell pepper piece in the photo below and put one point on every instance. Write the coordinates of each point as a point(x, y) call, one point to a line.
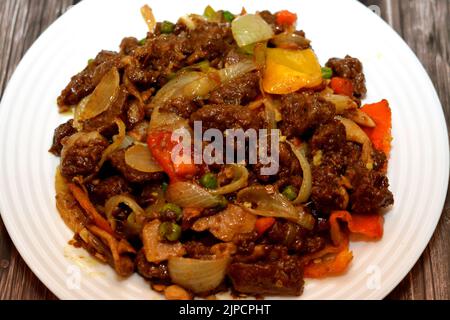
point(161, 145)
point(380, 135)
point(342, 86)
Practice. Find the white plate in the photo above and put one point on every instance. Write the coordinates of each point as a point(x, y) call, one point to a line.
point(418, 169)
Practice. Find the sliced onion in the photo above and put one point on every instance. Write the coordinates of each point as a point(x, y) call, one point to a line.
point(77, 124)
point(67, 206)
point(289, 40)
point(356, 134)
point(122, 263)
point(155, 250)
point(139, 157)
point(127, 141)
point(235, 70)
point(270, 203)
point(226, 224)
point(149, 18)
point(198, 275)
point(159, 201)
point(341, 102)
point(103, 96)
point(250, 28)
point(360, 118)
point(240, 179)
point(305, 189)
point(190, 85)
point(117, 141)
point(191, 195)
point(113, 202)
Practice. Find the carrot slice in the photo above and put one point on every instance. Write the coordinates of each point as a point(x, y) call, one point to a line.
point(370, 226)
point(86, 204)
point(380, 135)
point(286, 17)
point(263, 224)
point(342, 86)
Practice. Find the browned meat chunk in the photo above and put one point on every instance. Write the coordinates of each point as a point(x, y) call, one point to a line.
point(132, 175)
point(289, 168)
point(85, 82)
point(102, 190)
point(327, 194)
point(294, 237)
point(128, 44)
point(151, 271)
point(81, 153)
point(161, 56)
point(135, 113)
point(238, 92)
point(370, 193)
point(329, 136)
point(62, 131)
point(271, 19)
point(224, 117)
point(183, 107)
point(280, 275)
point(304, 111)
point(350, 68)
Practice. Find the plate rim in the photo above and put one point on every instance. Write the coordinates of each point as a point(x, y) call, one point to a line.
point(20, 245)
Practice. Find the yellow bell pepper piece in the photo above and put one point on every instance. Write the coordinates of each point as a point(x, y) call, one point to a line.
point(290, 70)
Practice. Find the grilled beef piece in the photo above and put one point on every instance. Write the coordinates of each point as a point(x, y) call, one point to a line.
point(350, 68)
point(85, 82)
point(329, 136)
point(303, 112)
point(102, 190)
point(239, 91)
point(370, 191)
point(151, 271)
point(81, 153)
point(182, 107)
point(278, 274)
point(62, 131)
point(224, 116)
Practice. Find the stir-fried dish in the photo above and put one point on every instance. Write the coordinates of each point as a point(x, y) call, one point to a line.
point(196, 227)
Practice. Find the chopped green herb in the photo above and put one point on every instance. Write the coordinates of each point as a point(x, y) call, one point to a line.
point(228, 16)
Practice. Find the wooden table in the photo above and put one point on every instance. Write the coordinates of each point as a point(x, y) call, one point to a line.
point(422, 23)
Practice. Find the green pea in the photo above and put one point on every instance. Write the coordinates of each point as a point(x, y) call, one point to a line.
point(167, 27)
point(327, 73)
point(90, 61)
point(209, 180)
point(290, 192)
point(173, 208)
point(170, 231)
point(228, 16)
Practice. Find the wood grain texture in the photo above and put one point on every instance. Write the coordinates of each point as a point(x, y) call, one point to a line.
point(422, 23)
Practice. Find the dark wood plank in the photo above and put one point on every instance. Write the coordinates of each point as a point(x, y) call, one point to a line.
point(423, 25)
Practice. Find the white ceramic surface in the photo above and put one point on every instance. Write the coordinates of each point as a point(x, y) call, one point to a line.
point(418, 169)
